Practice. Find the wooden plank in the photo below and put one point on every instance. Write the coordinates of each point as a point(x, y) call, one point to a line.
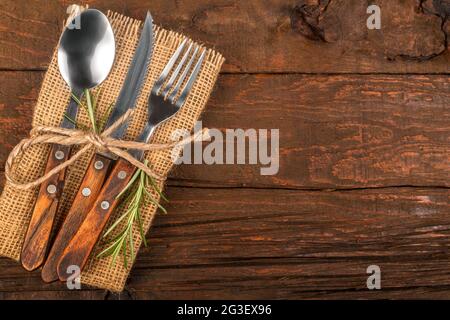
point(54, 295)
point(335, 131)
point(18, 95)
point(29, 285)
point(244, 243)
point(309, 36)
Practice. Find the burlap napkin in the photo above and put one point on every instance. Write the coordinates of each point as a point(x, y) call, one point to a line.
point(16, 206)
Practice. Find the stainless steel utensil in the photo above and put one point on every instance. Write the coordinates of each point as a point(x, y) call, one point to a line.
point(165, 101)
point(85, 57)
point(100, 163)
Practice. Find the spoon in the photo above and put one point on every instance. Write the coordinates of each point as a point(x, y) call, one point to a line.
point(85, 56)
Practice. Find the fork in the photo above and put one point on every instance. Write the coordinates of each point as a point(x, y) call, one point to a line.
point(165, 100)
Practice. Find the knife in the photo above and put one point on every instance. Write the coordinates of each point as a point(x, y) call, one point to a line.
point(101, 162)
point(161, 107)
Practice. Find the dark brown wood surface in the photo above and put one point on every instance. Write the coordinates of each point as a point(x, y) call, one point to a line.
point(319, 36)
point(364, 120)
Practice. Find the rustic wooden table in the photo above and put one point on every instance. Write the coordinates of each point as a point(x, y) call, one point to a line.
point(364, 119)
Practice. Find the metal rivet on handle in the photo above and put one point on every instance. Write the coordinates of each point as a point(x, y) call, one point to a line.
point(86, 192)
point(122, 175)
point(98, 165)
point(59, 155)
point(104, 205)
point(51, 188)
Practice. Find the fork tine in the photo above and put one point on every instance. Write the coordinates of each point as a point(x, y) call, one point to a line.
point(187, 88)
point(162, 78)
point(176, 72)
point(183, 76)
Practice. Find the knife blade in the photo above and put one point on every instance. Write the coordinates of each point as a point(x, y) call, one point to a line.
point(101, 162)
point(134, 79)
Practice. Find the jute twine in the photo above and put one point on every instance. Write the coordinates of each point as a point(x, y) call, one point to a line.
point(28, 164)
point(100, 142)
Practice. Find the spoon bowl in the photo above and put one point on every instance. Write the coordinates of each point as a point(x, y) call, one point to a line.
point(86, 52)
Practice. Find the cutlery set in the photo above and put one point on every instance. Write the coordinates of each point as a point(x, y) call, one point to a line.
point(85, 57)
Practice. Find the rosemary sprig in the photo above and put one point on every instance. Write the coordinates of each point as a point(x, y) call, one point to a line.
point(90, 108)
point(74, 97)
point(102, 121)
point(97, 125)
point(136, 190)
point(74, 122)
point(139, 196)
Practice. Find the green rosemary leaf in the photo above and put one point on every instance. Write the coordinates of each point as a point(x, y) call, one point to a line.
point(116, 253)
point(107, 252)
point(128, 186)
point(147, 192)
point(82, 105)
point(115, 224)
point(124, 250)
point(70, 119)
point(136, 198)
point(74, 97)
point(158, 205)
point(93, 104)
point(97, 94)
point(141, 228)
point(156, 188)
point(130, 197)
point(104, 119)
point(90, 110)
point(130, 234)
point(95, 99)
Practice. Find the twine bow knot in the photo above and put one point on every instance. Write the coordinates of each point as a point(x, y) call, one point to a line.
point(100, 142)
point(96, 141)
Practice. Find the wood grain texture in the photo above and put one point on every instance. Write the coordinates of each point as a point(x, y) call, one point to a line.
point(355, 131)
point(246, 243)
point(93, 179)
point(38, 236)
point(320, 36)
point(84, 239)
point(335, 131)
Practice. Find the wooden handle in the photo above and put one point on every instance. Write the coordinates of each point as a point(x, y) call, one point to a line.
point(39, 230)
point(87, 193)
point(81, 245)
